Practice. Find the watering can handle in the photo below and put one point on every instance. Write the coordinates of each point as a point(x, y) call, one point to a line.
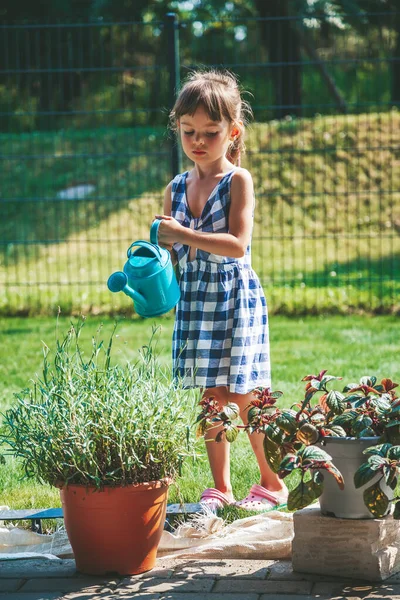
point(144, 244)
point(154, 231)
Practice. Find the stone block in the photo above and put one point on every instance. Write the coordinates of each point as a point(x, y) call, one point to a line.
point(161, 586)
point(210, 596)
point(365, 549)
point(31, 596)
point(219, 569)
point(63, 584)
point(255, 586)
point(34, 567)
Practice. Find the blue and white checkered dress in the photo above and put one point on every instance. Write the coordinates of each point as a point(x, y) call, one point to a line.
point(221, 329)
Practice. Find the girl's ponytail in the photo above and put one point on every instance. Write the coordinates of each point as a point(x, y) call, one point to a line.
point(234, 151)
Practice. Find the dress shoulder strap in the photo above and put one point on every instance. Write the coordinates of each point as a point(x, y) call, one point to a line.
point(179, 181)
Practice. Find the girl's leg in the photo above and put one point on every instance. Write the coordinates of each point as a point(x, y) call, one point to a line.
point(218, 452)
point(269, 479)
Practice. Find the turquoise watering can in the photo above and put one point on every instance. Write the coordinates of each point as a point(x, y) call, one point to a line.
point(148, 277)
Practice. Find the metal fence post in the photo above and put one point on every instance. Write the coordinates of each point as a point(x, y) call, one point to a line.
point(172, 29)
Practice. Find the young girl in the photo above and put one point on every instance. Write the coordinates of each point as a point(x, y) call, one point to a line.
point(220, 340)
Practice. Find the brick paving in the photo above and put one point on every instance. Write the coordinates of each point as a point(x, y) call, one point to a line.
point(182, 579)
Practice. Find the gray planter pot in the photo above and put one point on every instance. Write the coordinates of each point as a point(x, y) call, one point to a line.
point(347, 455)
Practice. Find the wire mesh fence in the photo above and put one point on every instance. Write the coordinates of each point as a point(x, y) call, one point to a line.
point(86, 154)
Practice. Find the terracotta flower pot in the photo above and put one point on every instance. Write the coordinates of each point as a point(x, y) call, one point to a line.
point(116, 529)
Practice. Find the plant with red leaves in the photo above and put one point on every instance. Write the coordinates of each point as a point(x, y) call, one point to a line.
point(294, 436)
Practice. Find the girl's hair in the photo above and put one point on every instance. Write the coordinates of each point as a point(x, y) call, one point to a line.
point(218, 92)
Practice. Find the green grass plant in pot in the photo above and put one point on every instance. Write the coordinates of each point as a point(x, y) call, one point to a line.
point(112, 437)
point(342, 447)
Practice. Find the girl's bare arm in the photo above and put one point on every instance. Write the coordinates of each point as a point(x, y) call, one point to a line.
point(167, 213)
point(232, 244)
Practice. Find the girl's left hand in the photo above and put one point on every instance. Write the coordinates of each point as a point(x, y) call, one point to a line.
point(169, 230)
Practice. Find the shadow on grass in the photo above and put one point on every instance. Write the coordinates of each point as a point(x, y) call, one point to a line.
point(43, 193)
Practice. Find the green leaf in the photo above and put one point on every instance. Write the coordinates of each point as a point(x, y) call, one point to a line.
point(393, 434)
point(396, 512)
point(304, 494)
point(351, 386)
point(362, 422)
point(345, 419)
point(363, 475)
point(311, 453)
point(377, 462)
point(361, 401)
point(394, 453)
point(356, 397)
point(368, 380)
point(336, 431)
point(379, 388)
point(330, 467)
point(201, 428)
point(288, 464)
point(272, 454)
point(220, 436)
point(327, 378)
point(290, 459)
point(307, 398)
point(308, 434)
point(253, 414)
point(368, 432)
point(376, 501)
point(230, 412)
point(390, 475)
point(382, 405)
point(276, 394)
point(336, 402)
point(318, 477)
point(274, 433)
point(378, 450)
point(316, 384)
point(231, 433)
point(287, 422)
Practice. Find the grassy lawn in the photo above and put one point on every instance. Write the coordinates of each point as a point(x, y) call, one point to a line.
point(325, 233)
point(349, 346)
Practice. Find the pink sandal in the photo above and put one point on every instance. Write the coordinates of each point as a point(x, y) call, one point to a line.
point(214, 499)
point(260, 498)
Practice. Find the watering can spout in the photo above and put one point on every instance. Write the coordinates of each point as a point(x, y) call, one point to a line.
point(118, 282)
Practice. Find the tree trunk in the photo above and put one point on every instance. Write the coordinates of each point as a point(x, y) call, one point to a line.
point(283, 45)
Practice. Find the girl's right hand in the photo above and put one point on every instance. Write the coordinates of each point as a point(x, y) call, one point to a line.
point(169, 231)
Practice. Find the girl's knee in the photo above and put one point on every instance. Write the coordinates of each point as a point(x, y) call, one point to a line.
point(220, 394)
point(243, 402)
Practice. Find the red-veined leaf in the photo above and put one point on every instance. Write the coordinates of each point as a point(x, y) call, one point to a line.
point(311, 453)
point(388, 384)
point(378, 450)
point(396, 512)
point(231, 433)
point(272, 454)
point(363, 475)
point(336, 402)
point(394, 453)
point(330, 467)
point(304, 494)
point(376, 501)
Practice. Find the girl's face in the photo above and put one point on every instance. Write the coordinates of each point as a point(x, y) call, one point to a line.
point(204, 140)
